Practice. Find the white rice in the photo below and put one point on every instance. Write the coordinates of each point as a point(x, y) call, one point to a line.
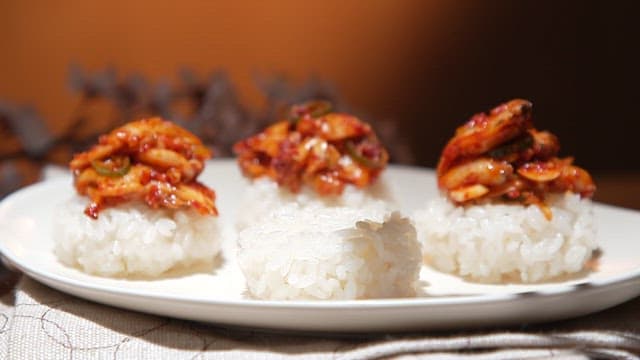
point(263, 195)
point(133, 239)
point(340, 253)
point(499, 242)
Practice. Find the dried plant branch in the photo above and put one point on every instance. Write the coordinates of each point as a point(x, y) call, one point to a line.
point(208, 106)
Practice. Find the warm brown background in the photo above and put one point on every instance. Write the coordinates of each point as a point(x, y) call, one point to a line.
point(427, 64)
point(363, 47)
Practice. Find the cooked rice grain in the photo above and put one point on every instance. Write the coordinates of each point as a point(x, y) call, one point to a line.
point(263, 195)
point(133, 239)
point(322, 253)
point(500, 242)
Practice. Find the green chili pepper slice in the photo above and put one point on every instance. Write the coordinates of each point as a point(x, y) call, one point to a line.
point(315, 108)
point(116, 167)
point(358, 157)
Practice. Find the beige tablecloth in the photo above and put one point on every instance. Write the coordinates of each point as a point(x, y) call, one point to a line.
point(37, 322)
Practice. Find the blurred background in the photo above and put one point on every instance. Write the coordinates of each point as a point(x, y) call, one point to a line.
point(415, 69)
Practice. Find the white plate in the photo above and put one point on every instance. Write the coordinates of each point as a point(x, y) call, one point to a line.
point(25, 240)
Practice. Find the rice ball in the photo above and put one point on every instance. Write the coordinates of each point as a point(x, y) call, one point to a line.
point(263, 195)
point(338, 253)
point(134, 239)
point(498, 242)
